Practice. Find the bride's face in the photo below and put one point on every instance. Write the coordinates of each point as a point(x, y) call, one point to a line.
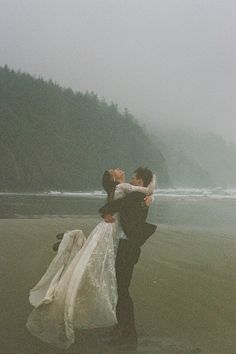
point(118, 174)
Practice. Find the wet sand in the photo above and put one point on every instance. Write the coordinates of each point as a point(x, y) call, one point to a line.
point(183, 287)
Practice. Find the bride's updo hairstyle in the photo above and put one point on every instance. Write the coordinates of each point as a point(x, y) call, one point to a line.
point(109, 184)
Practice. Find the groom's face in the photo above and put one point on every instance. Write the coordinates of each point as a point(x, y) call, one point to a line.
point(136, 181)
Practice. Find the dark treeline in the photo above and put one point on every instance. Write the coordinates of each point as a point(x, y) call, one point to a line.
point(54, 138)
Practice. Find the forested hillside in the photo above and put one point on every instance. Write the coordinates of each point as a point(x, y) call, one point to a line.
point(54, 138)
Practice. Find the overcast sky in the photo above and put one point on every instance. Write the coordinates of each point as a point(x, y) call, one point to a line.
point(171, 61)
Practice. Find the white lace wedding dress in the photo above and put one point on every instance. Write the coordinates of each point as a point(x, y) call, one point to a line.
point(78, 290)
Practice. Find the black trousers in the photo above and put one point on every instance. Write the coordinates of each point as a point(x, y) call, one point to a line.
point(127, 256)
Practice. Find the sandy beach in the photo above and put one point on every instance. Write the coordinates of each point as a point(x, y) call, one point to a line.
point(183, 288)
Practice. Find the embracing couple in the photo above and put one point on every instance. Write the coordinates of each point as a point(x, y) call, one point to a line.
point(86, 285)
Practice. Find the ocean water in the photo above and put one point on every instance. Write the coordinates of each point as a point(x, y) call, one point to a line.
point(213, 209)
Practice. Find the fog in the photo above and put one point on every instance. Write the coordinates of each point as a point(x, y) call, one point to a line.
point(167, 61)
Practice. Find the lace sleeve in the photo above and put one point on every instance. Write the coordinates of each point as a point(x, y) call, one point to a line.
point(128, 188)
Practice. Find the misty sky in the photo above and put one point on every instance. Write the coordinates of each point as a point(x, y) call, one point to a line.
point(168, 61)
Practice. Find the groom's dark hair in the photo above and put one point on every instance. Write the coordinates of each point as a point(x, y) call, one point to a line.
point(145, 174)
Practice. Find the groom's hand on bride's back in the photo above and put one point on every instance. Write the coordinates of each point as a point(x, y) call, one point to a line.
point(108, 218)
point(148, 200)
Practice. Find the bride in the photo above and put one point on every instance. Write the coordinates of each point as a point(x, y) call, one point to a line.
point(78, 290)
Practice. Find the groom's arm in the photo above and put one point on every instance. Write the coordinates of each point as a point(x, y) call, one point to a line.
point(112, 207)
point(134, 200)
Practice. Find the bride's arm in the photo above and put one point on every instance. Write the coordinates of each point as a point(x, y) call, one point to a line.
point(128, 188)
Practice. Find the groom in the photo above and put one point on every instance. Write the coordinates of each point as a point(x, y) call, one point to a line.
point(133, 213)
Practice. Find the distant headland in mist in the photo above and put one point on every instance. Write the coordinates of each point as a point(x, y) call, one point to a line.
point(197, 159)
point(54, 138)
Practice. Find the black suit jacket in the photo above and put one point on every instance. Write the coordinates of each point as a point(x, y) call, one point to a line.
point(133, 214)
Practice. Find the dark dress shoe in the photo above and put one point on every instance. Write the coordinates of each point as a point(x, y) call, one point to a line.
point(60, 236)
point(115, 331)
